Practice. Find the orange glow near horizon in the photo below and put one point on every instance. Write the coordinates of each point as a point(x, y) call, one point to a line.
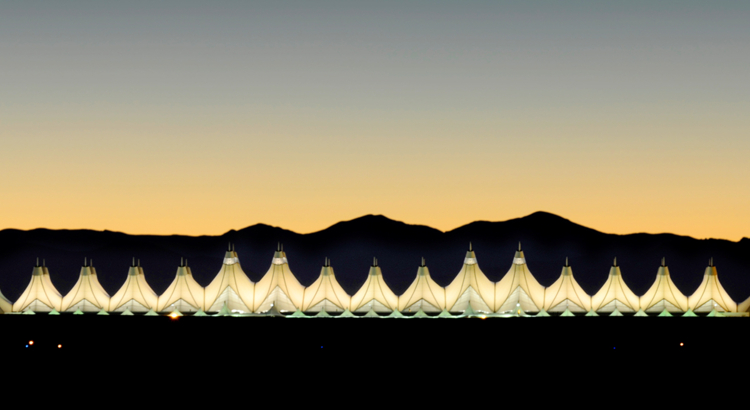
point(212, 117)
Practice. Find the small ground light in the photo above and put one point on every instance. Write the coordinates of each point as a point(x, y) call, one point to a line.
point(682, 344)
point(31, 342)
point(59, 346)
point(174, 315)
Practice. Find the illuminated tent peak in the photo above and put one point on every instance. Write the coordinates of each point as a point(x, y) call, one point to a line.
point(183, 294)
point(710, 295)
point(566, 294)
point(374, 295)
point(615, 294)
point(279, 287)
point(40, 295)
point(87, 295)
point(231, 286)
point(424, 294)
point(279, 257)
point(517, 289)
point(663, 295)
point(135, 295)
point(325, 294)
point(469, 287)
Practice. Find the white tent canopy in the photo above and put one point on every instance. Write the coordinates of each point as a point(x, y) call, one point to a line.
point(231, 286)
point(87, 295)
point(374, 294)
point(40, 295)
point(469, 287)
point(184, 294)
point(325, 294)
point(278, 287)
point(566, 293)
point(710, 295)
point(424, 293)
point(615, 294)
point(663, 294)
point(135, 295)
point(518, 288)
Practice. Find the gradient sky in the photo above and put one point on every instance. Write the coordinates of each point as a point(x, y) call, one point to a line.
point(199, 117)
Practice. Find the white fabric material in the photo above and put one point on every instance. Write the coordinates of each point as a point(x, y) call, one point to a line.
point(469, 288)
point(135, 295)
point(87, 295)
point(424, 293)
point(278, 287)
point(230, 277)
point(183, 294)
point(5, 305)
point(40, 295)
point(517, 287)
point(663, 295)
point(744, 306)
point(325, 294)
point(566, 293)
point(374, 294)
point(711, 295)
point(615, 294)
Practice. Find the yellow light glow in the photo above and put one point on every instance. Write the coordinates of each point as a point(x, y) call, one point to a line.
point(682, 344)
point(59, 346)
point(174, 315)
point(31, 342)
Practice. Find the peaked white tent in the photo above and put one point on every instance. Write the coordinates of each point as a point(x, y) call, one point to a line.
point(615, 294)
point(710, 295)
point(278, 287)
point(374, 295)
point(566, 294)
point(40, 295)
point(518, 288)
point(87, 295)
point(325, 294)
point(469, 288)
point(424, 294)
point(135, 295)
point(231, 286)
point(663, 294)
point(184, 294)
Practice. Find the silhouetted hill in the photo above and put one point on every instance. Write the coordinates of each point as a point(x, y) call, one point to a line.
point(546, 239)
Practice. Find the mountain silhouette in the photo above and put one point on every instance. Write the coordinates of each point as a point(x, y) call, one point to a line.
point(547, 239)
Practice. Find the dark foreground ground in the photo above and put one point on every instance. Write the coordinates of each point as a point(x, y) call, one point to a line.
point(264, 338)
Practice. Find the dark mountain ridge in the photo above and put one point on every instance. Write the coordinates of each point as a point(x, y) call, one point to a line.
point(546, 239)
